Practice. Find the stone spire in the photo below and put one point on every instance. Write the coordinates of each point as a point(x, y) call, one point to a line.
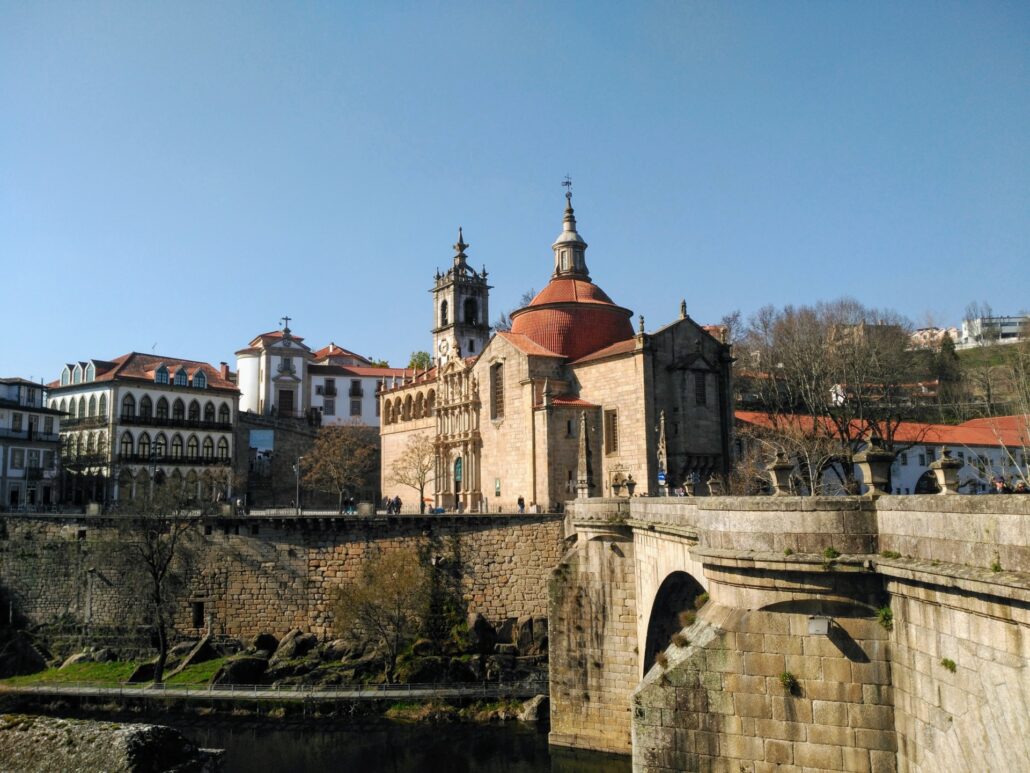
point(583, 467)
point(459, 251)
point(569, 248)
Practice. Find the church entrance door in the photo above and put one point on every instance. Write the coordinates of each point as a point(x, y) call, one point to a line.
point(285, 402)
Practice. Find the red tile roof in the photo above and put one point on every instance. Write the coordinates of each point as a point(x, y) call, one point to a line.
point(573, 318)
point(526, 344)
point(142, 367)
point(1011, 431)
point(333, 350)
point(359, 371)
point(568, 401)
point(565, 290)
point(619, 347)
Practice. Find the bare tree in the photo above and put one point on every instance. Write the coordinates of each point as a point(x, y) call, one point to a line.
point(416, 466)
point(154, 556)
point(503, 322)
point(844, 365)
point(343, 460)
point(384, 605)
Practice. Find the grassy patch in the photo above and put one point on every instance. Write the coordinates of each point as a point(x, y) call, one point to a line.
point(200, 673)
point(100, 673)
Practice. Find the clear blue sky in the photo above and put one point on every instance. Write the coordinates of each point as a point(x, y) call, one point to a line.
point(185, 173)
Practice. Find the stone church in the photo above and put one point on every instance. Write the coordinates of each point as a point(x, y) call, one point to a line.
point(571, 401)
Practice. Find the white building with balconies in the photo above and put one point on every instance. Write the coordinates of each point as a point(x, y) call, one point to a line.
point(29, 434)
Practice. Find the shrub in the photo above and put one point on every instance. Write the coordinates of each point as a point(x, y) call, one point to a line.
point(788, 552)
point(701, 600)
point(996, 566)
point(687, 618)
point(680, 640)
point(831, 554)
point(662, 660)
point(789, 682)
point(949, 664)
point(890, 554)
point(885, 617)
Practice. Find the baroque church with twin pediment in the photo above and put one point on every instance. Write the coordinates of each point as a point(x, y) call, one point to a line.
point(572, 401)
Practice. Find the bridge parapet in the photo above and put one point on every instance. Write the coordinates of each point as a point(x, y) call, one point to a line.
point(981, 531)
point(772, 524)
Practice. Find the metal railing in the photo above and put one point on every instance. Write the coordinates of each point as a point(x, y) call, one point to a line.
point(525, 688)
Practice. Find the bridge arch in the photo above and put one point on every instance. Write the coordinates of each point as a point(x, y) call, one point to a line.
point(675, 595)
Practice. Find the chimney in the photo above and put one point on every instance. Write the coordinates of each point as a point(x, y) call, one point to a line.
point(223, 370)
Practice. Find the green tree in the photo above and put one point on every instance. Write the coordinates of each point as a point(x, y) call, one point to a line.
point(420, 361)
point(343, 460)
point(384, 605)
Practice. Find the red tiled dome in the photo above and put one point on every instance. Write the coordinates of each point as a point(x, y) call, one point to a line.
point(572, 317)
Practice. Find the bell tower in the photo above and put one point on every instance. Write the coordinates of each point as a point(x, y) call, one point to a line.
point(461, 309)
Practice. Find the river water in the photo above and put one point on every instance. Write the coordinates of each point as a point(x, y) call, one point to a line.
point(509, 747)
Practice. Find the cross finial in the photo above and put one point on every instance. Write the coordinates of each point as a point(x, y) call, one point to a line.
point(286, 322)
point(567, 185)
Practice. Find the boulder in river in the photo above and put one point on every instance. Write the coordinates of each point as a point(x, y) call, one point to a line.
point(36, 743)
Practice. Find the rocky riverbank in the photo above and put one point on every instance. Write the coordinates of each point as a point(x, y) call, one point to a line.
point(30, 743)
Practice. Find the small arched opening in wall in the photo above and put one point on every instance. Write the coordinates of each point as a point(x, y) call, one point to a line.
point(675, 595)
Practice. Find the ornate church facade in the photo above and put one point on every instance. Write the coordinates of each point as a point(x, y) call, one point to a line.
point(570, 402)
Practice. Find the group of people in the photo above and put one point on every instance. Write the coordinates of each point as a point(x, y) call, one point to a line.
point(1001, 486)
point(392, 506)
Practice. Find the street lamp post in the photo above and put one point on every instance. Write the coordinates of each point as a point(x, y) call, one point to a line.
point(296, 472)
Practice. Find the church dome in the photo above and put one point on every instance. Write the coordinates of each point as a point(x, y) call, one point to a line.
point(572, 316)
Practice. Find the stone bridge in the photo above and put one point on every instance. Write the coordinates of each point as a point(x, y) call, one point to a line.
point(843, 633)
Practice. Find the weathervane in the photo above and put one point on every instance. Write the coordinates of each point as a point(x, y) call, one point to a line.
point(567, 185)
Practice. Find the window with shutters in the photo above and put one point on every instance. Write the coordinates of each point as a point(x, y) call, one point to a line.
point(497, 391)
point(611, 431)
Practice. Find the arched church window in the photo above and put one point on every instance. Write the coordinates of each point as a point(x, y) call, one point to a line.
point(128, 407)
point(126, 445)
point(223, 414)
point(178, 410)
point(103, 406)
point(471, 311)
point(145, 407)
point(162, 408)
point(443, 313)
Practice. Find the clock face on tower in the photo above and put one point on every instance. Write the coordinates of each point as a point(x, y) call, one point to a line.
point(444, 346)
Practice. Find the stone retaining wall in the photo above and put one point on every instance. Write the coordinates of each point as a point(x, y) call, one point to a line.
point(264, 574)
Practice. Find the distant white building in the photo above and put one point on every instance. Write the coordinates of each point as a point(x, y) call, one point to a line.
point(987, 448)
point(279, 375)
point(998, 330)
point(29, 435)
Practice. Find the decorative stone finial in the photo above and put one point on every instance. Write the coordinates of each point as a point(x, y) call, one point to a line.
point(641, 326)
point(459, 249)
point(683, 309)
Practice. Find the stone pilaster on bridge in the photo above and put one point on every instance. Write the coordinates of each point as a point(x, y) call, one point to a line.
point(593, 631)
